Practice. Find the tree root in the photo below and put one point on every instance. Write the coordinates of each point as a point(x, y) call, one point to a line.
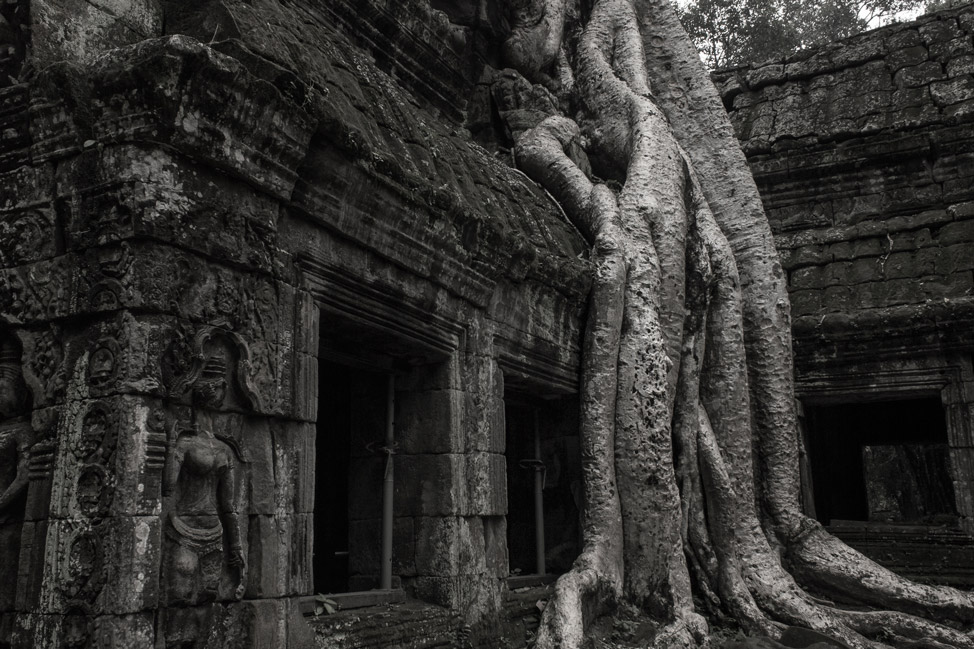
point(687, 416)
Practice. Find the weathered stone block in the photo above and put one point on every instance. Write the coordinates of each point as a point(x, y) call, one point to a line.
point(294, 451)
point(957, 232)
point(902, 39)
point(939, 31)
point(837, 298)
point(909, 56)
point(131, 561)
point(437, 551)
point(955, 285)
point(948, 50)
point(307, 324)
point(480, 595)
point(810, 277)
point(495, 546)
point(279, 555)
point(913, 115)
point(30, 566)
point(429, 421)
point(960, 112)
point(61, 32)
point(908, 264)
point(472, 551)
point(918, 75)
point(766, 75)
point(266, 556)
point(443, 591)
point(305, 387)
point(953, 91)
point(429, 485)
point(404, 541)
point(964, 497)
point(958, 190)
point(259, 623)
point(300, 536)
point(486, 485)
point(961, 462)
point(444, 375)
point(484, 406)
point(806, 255)
point(849, 211)
point(805, 302)
point(121, 192)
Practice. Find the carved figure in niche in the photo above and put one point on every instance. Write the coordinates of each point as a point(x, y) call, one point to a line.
point(16, 437)
point(201, 479)
point(102, 364)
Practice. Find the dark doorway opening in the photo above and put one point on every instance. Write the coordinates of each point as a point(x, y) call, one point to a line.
point(881, 461)
point(543, 463)
point(348, 477)
point(331, 479)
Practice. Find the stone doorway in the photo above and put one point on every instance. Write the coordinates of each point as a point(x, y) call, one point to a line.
point(349, 466)
point(881, 462)
point(543, 471)
point(882, 477)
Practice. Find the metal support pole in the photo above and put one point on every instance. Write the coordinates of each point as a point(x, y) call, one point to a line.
point(539, 470)
point(385, 574)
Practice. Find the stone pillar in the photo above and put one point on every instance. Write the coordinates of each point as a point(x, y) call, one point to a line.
point(958, 400)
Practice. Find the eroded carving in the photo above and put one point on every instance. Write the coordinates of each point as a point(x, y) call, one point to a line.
point(102, 365)
point(203, 529)
point(24, 234)
point(85, 568)
point(204, 559)
point(95, 451)
point(44, 369)
point(184, 369)
point(14, 26)
point(16, 438)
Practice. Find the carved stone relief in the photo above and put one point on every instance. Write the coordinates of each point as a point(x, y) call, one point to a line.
point(204, 559)
point(94, 452)
point(14, 24)
point(44, 369)
point(203, 530)
point(16, 438)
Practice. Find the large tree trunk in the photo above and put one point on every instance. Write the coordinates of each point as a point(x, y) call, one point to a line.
point(689, 436)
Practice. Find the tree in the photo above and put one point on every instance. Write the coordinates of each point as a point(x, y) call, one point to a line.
point(737, 32)
point(688, 434)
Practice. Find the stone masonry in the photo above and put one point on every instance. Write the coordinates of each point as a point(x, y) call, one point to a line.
point(199, 201)
point(205, 206)
point(863, 152)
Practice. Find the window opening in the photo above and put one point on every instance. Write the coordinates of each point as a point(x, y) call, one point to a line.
point(883, 461)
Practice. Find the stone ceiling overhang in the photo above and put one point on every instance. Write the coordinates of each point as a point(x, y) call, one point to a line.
point(259, 122)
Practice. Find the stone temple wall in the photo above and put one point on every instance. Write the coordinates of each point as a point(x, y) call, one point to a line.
point(200, 205)
point(863, 152)
point(205, 206)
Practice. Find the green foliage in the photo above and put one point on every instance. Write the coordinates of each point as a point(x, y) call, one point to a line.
point(738, 32)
